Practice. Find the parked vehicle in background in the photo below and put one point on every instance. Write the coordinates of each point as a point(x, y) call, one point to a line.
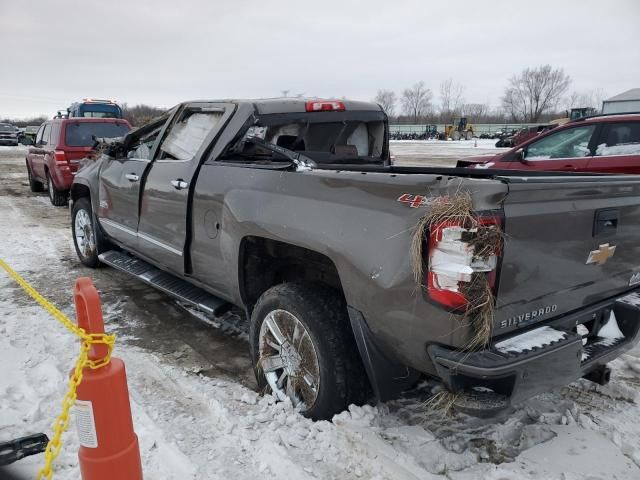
point(344, 264)
point(59, 146)
point(9, 134)
point(603, 144)
point(29, 135)
point(525, 134)
point(92, 108)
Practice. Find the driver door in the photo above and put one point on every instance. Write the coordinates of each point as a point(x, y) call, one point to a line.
point(120, 181)
point(164, 215)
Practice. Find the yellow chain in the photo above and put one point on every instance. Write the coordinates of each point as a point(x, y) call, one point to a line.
point(62, 421)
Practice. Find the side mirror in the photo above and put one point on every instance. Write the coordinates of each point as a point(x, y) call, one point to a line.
point(520, 154)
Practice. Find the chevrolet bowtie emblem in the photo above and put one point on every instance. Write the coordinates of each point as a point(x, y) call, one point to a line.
point(600, 256)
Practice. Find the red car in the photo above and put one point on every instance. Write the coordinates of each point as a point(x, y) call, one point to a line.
point(60, 145)
point(604, 144)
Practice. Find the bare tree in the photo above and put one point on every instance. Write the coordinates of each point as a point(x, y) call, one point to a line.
point(416, 101)
point(475, 111)
point(140, 114)
point(387, 99)
point(592, 98)
point(534, 92)
point(285, 93)
point(451, 100)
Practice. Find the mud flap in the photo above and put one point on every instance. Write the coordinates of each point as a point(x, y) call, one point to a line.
point(388, 377)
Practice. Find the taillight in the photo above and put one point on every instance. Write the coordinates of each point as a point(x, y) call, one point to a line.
point(453, 260)
point(325, 106)
point(59, 156)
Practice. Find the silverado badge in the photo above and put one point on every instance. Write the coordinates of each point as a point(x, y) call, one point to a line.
point(601, 255)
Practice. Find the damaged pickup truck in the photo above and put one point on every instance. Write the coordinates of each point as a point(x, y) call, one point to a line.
point(358, 276)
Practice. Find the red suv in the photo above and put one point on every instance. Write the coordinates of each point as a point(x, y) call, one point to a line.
point(604, 144)
point(60, 145)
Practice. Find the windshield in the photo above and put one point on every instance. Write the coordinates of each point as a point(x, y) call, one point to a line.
point(7, 128)
point(82, 134)
point(345, 137)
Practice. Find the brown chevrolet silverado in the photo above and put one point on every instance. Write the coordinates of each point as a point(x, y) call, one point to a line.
point(360, 276)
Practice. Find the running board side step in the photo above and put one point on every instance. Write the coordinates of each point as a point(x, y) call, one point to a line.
point(179, 289)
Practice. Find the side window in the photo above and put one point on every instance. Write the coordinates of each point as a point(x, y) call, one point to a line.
point(141, 148)
point(569, 143)
point(621, 139)
point(46, 134)
point(54, 138)
point(39, 135)
point(187, 135)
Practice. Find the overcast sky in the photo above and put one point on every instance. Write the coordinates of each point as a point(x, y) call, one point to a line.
point(163, 52)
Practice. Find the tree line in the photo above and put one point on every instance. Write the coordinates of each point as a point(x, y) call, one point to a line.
point(534, 95)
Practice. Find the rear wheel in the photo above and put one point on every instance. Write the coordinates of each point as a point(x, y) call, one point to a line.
point(88, 242)
point(303, 349)
point(34, 185)
point(59, 198)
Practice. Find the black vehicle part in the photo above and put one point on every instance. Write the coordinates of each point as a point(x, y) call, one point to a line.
point(171, 285)
point(34, 184)
point(601, 375)
point(14, 450)
point(59, 198)
point(387, 375)
point(323, 312)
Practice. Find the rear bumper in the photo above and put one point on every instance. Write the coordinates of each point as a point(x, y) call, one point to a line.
point(523, 374)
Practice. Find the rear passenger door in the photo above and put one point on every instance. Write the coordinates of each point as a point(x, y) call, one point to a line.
point(618, 149)
point(120, 183)
point(164, 222)
point(39, 151)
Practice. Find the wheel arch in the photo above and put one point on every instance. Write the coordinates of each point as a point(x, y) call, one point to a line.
point(264, 263)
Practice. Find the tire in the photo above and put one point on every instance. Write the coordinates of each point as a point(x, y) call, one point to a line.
point(328, 374)
point(34, 185)
point(83, 229)
point(59, 198)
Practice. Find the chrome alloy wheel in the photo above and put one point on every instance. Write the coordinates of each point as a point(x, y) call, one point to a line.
point(85, 239)
point(289, 359)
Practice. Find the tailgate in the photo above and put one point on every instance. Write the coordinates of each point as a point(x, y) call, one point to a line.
point(558, 252)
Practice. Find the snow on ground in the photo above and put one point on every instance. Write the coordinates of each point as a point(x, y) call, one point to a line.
point(440, 153)
point(195, 421)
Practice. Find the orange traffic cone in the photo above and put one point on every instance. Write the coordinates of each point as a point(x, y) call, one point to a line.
point(108, 445)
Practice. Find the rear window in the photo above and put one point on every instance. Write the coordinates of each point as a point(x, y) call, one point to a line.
point(341, 137)
point(82, 134)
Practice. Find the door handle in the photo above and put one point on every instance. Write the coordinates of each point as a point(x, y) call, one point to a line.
point(179, 184)
point(132, 177)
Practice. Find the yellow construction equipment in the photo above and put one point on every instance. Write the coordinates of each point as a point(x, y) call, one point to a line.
point(459, 129)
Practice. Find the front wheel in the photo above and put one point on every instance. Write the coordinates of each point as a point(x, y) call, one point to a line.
point(85, 238)
point(303, 349)
point(58, 198)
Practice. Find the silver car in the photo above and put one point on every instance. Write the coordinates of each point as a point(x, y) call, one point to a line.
point(9, 134)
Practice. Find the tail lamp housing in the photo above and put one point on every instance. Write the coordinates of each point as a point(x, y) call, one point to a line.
point(452, 262)
point(59, 156)
point(325, 106)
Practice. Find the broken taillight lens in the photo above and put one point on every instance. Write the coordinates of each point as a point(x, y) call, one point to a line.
point(454, 260)
point(325, 106)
